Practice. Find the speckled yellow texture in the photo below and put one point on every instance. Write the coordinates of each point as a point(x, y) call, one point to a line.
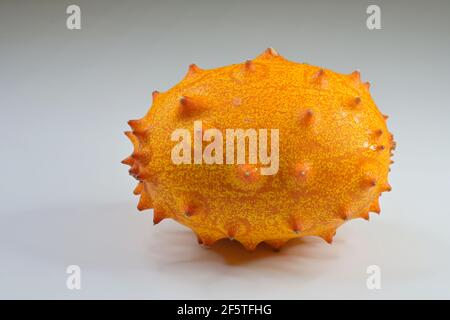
point(335, 152)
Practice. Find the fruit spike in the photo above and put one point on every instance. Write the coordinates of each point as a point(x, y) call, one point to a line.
point(189, 106)
point(375, 206)
point(145, 202)
point(356, 76)
point(334, 152)
point(155, 94)
point(355, 102)
point(139, 188)
point(307, 117)
point(328, 235)
point(296, 225)
point(249, 65)
point(269, 53)
point(320, 79)
point(344, 213)
point(193, 70)
point(158, 216)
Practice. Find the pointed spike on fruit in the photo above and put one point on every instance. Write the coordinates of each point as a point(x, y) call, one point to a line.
point(301, 171)
point(134, 171)
point(142, 206)
point(375, 206)
point(296, 224)
point(139, 188)
point(328, 235)
point(208, 241)
point(199, 240)
point(132, 138)
point(189, 211)
point(248, 173)
point(129, 134)
point(365, 215)
point(134, 124)
point(307, 117)
point(372, 182)
point(189, 106)
point(250, 246)
point(193, 70)
point(128, 161)
point(141, 134)
point(377, 132)
point(232, 231)
point(139, 173)
point(366, 85)
point(320, 78)
point(145, 202)
point(184, 100)
point(344, 213)
point(155, 94)
point(271, 52)
point(393, 145)
point(249, 65)
point(369, 182)
point(143, 175)
point(268, 53)
point(138, 156)
point(158, 216)
point(356, 76)
point(320, 74)
point(355, 102)
point(386, 187)
point(385, 116)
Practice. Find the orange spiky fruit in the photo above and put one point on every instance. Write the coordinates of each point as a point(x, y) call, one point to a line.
point(334, 152)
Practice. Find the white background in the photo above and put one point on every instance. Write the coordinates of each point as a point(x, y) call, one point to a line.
point(66, 199)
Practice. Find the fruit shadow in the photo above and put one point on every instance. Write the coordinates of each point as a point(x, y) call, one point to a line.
point(295, 252)
point(234, 253)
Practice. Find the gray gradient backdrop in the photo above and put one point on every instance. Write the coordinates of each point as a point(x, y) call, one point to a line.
point(65, 97)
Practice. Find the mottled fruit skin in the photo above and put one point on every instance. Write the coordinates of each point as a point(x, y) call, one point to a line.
point(334, 152)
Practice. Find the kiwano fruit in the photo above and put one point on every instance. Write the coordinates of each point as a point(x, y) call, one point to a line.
point(334, 152)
